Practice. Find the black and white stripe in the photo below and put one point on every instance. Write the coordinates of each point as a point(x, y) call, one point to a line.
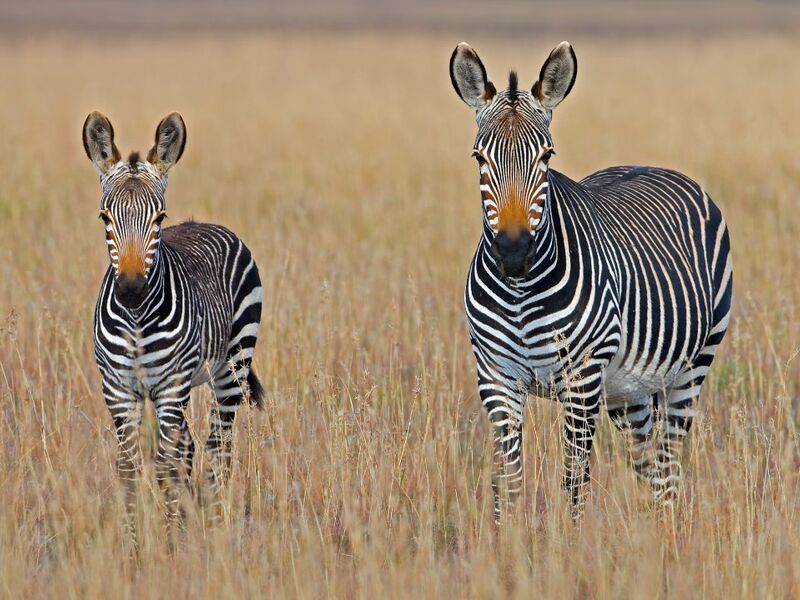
point(623, 297)
point(193, 320)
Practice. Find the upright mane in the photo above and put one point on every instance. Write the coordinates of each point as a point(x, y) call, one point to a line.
point(133, 161)
point(512, 86)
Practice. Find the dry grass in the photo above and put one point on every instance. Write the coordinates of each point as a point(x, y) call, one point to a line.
point(344, 163)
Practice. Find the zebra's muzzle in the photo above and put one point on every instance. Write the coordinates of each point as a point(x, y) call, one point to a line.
point(130, 291)
point(513, 255)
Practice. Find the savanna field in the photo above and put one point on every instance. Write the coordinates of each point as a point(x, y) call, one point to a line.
point(344, 163)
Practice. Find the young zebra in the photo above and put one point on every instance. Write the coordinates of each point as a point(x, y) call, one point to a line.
point(177, 308)
point(614, 288)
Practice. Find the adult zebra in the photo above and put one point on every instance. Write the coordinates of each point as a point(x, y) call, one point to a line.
point(615, 288)
point(177, 308)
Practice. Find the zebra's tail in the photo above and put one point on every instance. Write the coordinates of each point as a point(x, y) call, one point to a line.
point(256, 389)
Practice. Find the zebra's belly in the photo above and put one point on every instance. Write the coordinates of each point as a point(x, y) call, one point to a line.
point(544, 365)
point(146, 379)
point(213, 345)
point(201, 375)
point(626, 385)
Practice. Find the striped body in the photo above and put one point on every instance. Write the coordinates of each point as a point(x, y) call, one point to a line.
point(628, 298)
point(613, 290)
point(177, 308)
point(207, 305)
point(614, 280)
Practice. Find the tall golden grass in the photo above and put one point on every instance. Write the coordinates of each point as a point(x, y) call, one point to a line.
point(344, 164)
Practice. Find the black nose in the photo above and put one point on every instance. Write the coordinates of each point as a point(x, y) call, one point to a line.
point(513, 253)
point(130, 290)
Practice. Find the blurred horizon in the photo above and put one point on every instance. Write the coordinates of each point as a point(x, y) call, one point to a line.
point(515, 18)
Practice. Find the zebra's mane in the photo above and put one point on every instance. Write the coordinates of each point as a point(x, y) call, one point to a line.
point(133, 161)
point(512, 86)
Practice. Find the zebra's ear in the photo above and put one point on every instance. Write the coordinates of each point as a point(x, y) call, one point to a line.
point(556, 77)
point(98, 141)
point(170, 142)
point(468, 76)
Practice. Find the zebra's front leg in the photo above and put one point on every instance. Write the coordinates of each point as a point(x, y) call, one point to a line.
point(126, 407)
point(581, 399)
point(504, 404)
point(171, 470)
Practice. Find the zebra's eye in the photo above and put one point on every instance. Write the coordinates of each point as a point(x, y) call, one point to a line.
point(478, 157)
point(104, 216)
point(547, 155)
point(160, 218)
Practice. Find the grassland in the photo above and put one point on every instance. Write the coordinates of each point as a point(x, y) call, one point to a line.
point(344, 163)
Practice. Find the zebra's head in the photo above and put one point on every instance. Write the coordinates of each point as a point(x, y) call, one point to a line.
point(132, 205)
point(513, 148)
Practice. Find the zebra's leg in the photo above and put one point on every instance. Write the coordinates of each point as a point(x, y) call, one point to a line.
point(677, 414)
point(126, 408)
point(186, 455)
point(636, 418)
point(580, 395)
point(504, 404)
point(170, 403)
point(229, 390)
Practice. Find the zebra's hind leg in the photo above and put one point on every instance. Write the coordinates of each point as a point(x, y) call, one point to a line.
point(170, 403)
point(676, 413)
point(678, 406)
point(636, 419)
point(126, 408)
point(232, 383)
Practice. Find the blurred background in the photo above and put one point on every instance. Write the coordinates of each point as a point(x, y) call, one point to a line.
point(504, 17)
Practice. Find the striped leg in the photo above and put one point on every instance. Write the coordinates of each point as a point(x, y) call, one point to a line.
point(173, 430)
point(636, 419)
point(581, 399)
point(676, 418)
point(229, 391)
point(126, 408)
point(186, 455)
point(504, 405)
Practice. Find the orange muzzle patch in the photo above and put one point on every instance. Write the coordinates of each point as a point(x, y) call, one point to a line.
point(131, 261)
point(513, 216)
